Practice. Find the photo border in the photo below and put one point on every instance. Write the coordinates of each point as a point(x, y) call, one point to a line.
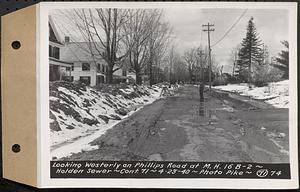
point(43, 104)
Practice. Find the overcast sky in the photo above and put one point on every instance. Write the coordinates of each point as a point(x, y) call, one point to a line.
point(272, 26)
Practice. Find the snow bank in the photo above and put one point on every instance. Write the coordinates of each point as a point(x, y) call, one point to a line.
point(80, 114)
point(276, 94)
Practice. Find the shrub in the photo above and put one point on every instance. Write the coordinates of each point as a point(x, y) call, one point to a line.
point(232, 79)
point(265, 74)
point(219, 81)
point(260, 76)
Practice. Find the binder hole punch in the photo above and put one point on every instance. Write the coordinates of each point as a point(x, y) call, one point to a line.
point(16, 44)
point(16, 148)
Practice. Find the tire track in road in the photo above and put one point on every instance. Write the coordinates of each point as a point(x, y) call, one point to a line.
point(171, 129)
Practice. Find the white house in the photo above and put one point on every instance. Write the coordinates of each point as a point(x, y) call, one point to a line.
point(85, 68)
point(123, 74)
point(58, 68)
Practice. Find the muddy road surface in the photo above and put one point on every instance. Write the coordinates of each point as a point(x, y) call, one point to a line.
point(225, 128)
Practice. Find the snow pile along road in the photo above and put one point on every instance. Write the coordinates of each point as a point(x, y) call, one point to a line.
point(276, 94)
point(80, 114)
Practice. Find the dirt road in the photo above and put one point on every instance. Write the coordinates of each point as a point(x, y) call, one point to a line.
point(225, 127)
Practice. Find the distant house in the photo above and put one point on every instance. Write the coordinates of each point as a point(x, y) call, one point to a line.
point(90, 70)
point(58, 68)
point(123, 75)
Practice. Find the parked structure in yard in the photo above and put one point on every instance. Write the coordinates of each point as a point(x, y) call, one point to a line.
point(58, 69)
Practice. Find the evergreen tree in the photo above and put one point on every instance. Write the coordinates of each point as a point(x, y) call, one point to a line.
point(266, 55)
point(282, 62)
point(250, 55)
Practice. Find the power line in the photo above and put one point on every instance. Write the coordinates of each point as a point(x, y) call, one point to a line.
point(230, 28)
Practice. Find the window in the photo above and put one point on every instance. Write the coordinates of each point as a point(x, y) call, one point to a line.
point(56, 52)
point(68, 68)
point(98, 67)
point(101, 68)
point(85, 79)
point(72, 68)
point(53, 52)
point(50, 51)
point(85, 67)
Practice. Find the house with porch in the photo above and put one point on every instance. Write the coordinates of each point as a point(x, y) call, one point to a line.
point(58, 68)
point(88, 68)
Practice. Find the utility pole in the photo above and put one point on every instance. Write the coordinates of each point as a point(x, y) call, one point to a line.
point(209, 29)
point(200, 54)
point(235, 56)
point(171, 65)
point(201, 85)
point(263, 50)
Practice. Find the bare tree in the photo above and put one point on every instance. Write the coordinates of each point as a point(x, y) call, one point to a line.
point(190, 58)
point(137, 38)
point(178, 68)
point(137, 32)
point(158, 40)
point(196, 59)
point(100, 29)
point(234, 58)
point(171, 60)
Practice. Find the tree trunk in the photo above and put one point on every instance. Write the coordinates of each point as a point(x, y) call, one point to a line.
point(138, 77)
point(201, 91)
point(151, 74)
point(250, 64)
point(191, 73)
point(110, 75)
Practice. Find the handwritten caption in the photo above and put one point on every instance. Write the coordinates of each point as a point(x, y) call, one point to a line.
point(149, 169)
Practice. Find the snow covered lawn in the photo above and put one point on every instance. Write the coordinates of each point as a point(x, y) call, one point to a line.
point(276, 94)
point(80, 114)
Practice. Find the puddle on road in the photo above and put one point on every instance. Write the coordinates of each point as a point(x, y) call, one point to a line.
point(211, 113)
point(257, 150)
point(202, 109)
point(207, 143)
point(264, 146)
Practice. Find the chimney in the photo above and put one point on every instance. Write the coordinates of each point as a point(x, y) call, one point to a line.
point(67, 39)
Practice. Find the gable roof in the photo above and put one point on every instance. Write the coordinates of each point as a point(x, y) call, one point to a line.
point(53, 34)
point(80, 51)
